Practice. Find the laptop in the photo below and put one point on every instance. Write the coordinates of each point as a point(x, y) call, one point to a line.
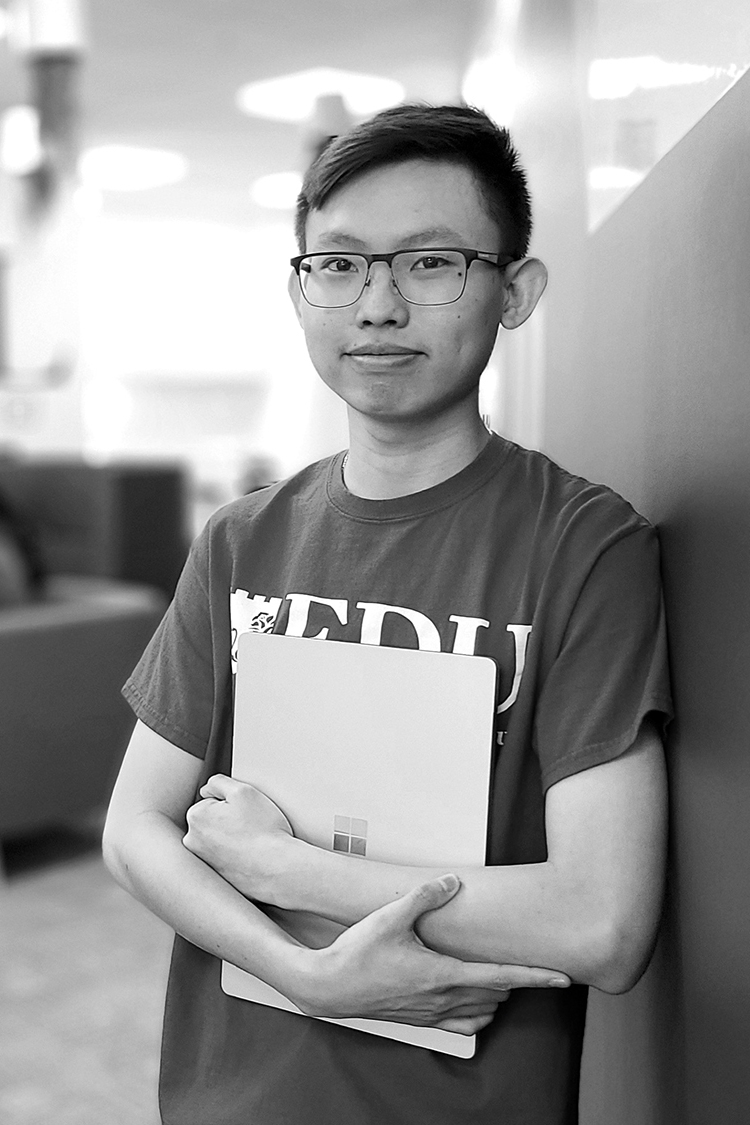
point(380, 753)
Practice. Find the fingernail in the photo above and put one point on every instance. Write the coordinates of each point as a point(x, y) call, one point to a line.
point(559, 982)
point(449, 882)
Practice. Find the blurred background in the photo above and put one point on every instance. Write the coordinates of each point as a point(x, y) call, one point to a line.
point(151, 157)
point(151, 369)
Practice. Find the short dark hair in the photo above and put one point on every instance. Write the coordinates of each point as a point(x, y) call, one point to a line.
point(456, 133)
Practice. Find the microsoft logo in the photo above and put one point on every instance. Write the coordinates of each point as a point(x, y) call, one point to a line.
point(349, 835)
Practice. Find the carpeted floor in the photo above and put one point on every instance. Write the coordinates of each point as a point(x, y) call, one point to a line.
point(82, 975)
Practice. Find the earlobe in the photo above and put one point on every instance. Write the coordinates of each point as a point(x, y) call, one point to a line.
point(525, 281)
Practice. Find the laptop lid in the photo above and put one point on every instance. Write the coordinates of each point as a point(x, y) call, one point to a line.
point(377, 752)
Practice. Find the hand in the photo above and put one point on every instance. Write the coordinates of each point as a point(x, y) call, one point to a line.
point(379, 969)
point(239, 832)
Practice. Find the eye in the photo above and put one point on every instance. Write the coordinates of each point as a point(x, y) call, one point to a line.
point(337, 265)
point(431, 262)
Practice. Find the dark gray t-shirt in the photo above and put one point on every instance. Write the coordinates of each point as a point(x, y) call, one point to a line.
point(556, 579)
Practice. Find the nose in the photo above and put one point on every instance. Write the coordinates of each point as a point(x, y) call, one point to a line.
point(381, 303)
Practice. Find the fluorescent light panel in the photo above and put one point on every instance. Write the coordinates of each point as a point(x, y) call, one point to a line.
point(278, 191)
point(495, 84)
point(20, 147)
point(292, 97)
point(129, 168)
point(619, 78)
point(611, 176)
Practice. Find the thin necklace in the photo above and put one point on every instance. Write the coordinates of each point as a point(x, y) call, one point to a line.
point(343, 466)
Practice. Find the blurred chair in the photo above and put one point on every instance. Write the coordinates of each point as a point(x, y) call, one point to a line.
point(124, 521)
point(63, 724)
point(112, 542)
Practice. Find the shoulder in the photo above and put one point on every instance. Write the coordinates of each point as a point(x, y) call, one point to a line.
point(564, 506)
point(269, 513)
point(239, 517)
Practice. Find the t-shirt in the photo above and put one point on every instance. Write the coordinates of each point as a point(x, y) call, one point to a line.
point(514, 558)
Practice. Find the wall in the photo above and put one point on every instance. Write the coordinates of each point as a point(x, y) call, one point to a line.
point(655, 400)
point(531, 51)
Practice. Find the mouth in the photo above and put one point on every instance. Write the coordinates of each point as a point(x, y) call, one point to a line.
point(370, 351)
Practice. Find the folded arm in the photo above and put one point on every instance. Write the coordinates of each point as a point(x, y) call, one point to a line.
point(377, 968)
point(591, 909)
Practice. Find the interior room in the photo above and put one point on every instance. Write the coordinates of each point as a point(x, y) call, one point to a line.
point(152, 370)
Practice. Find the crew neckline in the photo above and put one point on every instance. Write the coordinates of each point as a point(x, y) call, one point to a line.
point(428, 500)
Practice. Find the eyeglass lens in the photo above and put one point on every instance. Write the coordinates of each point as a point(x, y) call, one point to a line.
point(422, 278)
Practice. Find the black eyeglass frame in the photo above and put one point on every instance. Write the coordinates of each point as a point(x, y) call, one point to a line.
point(502, 260)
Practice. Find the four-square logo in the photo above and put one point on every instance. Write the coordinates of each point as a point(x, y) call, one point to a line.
point(349, 835)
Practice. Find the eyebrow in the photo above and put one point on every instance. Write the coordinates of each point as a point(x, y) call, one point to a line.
point(442, 236)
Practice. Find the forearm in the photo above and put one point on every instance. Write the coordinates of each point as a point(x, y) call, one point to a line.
point(526, 914)
point(147, 858)
point(590, 910)
point(377, 969)
point(513, 915)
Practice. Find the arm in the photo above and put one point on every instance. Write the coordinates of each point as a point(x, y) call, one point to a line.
point(377, 968)
point(142, 849)
point(591, 909)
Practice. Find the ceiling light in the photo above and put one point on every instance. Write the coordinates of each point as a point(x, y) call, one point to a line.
point(45, 27)
point(495, 85)
point(612, 176)
point(127, 168)
point(619, 78)
point(20, 146)
point(278, 190)
point(292, 97)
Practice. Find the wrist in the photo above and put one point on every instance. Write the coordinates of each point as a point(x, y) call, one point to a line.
point(280, 880)
point(306, 979)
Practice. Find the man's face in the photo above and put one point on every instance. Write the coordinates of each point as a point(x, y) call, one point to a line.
point(384, 357)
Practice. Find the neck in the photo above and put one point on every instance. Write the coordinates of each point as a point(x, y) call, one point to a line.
point(387, 461)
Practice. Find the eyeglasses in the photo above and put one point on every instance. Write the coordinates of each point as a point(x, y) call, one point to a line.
point(332, 280)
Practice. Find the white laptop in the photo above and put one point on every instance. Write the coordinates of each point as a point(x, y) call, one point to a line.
point(381, 753)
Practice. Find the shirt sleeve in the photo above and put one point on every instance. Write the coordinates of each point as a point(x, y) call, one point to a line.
point(611, 668)
point(172, 688)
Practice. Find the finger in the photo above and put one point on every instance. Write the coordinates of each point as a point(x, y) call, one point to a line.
point(526, 976)
point(478, 974)
point(428, 896)
point(218, 786)
point(465, 1025)
point(193, 816)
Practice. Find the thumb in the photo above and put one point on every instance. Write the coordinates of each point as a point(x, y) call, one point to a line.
point(218, 786)
point(428, 896)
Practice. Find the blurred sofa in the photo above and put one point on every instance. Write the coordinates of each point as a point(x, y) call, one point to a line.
point(112, 542)
point(116, 520)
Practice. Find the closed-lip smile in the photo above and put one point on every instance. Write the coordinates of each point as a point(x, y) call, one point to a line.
point(381, 349)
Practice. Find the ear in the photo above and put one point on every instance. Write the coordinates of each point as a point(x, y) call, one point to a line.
point(295, 294)
point(524, 283)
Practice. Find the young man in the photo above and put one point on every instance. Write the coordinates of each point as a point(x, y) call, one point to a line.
point(430, 532)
